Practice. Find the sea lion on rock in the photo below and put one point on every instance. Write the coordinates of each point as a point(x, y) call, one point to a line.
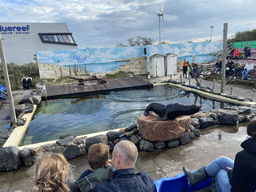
point(171, 111)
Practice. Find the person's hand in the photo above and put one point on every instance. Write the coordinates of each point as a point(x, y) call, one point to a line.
point(229, 168)
point(109, 163)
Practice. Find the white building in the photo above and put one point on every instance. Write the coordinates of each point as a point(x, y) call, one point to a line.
point(21, 41)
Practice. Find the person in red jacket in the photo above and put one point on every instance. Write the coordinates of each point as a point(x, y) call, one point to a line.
point(236, 54)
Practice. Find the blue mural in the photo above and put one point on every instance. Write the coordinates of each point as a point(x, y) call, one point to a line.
point(108, 59)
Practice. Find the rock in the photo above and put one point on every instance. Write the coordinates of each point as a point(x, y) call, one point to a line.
point(64, 136)
point(206, 122)
point(111, 145)
point(2, 141)
point(151, 130)
point(96, 139)
point(192, 135)
point(27, 156)
point(135, 139)
point(173, 143)
point(146, 146)
point(124, 138)
point(197, 132)
point(112, 135)
point(131, 127)
point(213, 115)
point(159, 145)
point(28, 109)
point(185, 139)
point(82, 149)
point(244, 110)
point(20, 122)
point(59, 148)
point(9, 158)
point(19, 109)
point(195, 122)
point(32, 99)
point(115, 141)
point(71, 152)
point(65, 141)
point(228, 117)
point(49, 147)
point(131, 132)
point(4, 134)
point(192, 128)
point(78, 141)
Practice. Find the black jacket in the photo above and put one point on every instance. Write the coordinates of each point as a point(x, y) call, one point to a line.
point(247, 50)
point(219, 64)
point(244, 172)
point(125, 180)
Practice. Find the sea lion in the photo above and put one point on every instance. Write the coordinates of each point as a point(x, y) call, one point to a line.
point(171, 111)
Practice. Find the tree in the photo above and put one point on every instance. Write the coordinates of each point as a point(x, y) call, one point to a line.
point(139, 41)
point(243, 36)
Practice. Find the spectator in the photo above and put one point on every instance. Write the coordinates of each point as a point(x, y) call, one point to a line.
point(185, 68)
point(51, 174)
point(238, 175)
point(218, 66)
point(237, 70)
point(248, 67)
point(236, 54)
point(229, 68)
point(98, 159)
point(247, 51)
point(124, 157)
point(230, 56)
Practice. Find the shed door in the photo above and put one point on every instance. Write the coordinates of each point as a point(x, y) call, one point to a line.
point(171, 65)
point(159, 66)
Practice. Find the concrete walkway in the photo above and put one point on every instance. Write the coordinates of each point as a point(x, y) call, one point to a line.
point(160, 163)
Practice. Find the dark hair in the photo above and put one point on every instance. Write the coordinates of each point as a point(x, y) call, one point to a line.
point(98, 155)
point(251, 129)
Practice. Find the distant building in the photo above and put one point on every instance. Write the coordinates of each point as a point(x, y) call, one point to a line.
point(21, 41)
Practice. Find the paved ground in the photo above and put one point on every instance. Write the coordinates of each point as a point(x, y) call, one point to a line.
point(160, 163)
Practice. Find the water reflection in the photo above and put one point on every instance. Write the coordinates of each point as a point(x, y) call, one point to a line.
point(103, 112)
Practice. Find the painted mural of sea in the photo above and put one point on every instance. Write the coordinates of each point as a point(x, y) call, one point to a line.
point(198, 58)
point(100, 67)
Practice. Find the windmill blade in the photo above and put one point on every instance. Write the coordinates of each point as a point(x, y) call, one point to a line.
point(159, 12)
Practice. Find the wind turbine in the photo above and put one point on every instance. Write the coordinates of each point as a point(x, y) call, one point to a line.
point(160, 14)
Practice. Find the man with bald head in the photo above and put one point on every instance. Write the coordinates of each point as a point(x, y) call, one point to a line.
point(124, 157)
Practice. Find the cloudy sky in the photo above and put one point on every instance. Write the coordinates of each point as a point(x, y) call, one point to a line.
point(105, 23)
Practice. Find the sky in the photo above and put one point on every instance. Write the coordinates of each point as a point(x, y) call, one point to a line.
point(105, 23)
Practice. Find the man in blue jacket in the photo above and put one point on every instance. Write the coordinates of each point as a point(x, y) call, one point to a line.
point(124, 157)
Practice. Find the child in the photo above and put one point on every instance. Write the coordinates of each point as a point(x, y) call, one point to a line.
point(98, 159)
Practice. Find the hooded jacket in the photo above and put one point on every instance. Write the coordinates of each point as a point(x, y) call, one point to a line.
point(243, 178)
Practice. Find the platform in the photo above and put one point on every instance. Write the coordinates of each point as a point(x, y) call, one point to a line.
point(92, 87)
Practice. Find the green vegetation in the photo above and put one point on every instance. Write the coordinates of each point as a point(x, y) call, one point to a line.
point(17, 72)
point(120, 74)
point(139, 41)
point(243, 36)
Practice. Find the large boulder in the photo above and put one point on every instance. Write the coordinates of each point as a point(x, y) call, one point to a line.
point(32, 99)
point(206, 122)
point(9, 158)
point(71, 152)
point(152, 130)
point(135, 139)
point(173, 143)
point(184, 139)
point(112, 135)
point(228, 117)
point(96, 139)
point(146, 145)
point(27, 156)
point(66, 140)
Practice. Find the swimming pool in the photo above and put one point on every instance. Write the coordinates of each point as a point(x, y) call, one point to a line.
point(97, 113)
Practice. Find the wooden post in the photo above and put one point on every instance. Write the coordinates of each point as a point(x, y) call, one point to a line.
point(231, 90)
point(74, 69)
point(170, 76)
point(7, 82)
point(180, 78)
point(223, 71)
point(61, 72)
point(84, 68)
point(69, 70)
point(189, 79)
point(213, 86)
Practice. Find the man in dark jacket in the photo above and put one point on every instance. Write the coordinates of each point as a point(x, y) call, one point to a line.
point(124, 157)
point(247, 51)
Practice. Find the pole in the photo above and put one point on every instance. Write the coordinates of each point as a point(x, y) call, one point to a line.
point(225, 31)
point(159, 30)
point(7, 82)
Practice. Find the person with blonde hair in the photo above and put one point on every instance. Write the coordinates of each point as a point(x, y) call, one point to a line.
point(51, 172)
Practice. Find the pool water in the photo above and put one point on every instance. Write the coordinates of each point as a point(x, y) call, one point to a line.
point(79, 116)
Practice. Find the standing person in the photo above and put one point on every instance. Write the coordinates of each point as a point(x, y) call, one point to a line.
point(234, 176)
point(236, 54)
point(185, 68)
point(124, 157)
point(247, 68)
point(51, 174)
point(247, 51)
point(229, 68)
